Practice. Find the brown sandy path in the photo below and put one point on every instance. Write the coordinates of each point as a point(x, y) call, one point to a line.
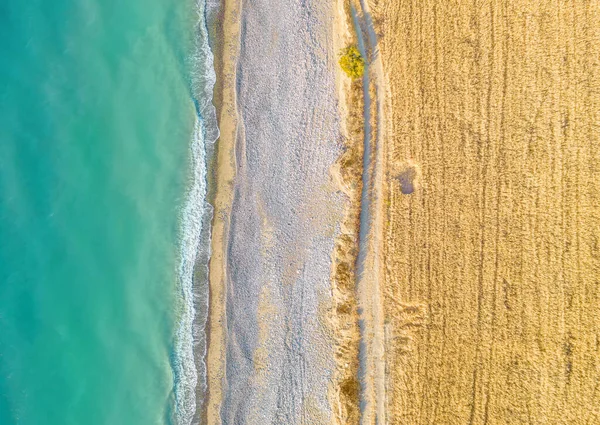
point(225, 170)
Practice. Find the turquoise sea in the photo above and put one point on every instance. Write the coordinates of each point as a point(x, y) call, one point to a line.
point(102, 174)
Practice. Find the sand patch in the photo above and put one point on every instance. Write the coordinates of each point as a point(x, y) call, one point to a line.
point(408, 177)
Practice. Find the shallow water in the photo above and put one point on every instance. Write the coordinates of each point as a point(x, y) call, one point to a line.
point(96, 121)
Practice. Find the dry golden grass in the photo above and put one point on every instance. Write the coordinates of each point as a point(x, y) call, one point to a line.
point(344, 317)
point(492, 263)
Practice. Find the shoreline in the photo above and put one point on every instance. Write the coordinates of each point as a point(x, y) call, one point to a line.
point(221, 196)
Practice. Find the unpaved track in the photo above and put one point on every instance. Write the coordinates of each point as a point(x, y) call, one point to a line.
point(369, 285)
point(492, 294)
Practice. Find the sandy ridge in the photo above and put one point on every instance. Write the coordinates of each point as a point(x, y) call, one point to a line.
point(346, 172)
point(227, 111)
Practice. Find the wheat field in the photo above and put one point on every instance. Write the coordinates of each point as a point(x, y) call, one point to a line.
point(491, 242)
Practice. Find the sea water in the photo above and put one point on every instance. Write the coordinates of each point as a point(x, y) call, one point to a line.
point(105, 118)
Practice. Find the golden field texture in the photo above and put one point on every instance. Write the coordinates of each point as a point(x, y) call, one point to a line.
point(492, 269)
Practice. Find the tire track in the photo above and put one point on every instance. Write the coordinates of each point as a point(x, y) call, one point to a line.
point(372, 363)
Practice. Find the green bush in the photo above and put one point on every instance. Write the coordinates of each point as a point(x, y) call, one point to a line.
point(352, 62)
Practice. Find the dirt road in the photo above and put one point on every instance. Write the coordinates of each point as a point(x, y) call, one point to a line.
point(369, 284)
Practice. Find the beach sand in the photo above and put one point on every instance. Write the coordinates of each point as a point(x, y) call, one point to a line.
point(226, 56)
point(277, 213)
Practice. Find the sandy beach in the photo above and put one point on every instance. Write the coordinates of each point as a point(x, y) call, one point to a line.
point(226, 55)
point(277, 212)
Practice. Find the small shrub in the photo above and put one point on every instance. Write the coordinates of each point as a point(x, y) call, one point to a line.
point(352, 62)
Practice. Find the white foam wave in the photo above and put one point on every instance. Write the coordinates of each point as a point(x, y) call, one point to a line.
point(191, 229)
point(195, 236)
